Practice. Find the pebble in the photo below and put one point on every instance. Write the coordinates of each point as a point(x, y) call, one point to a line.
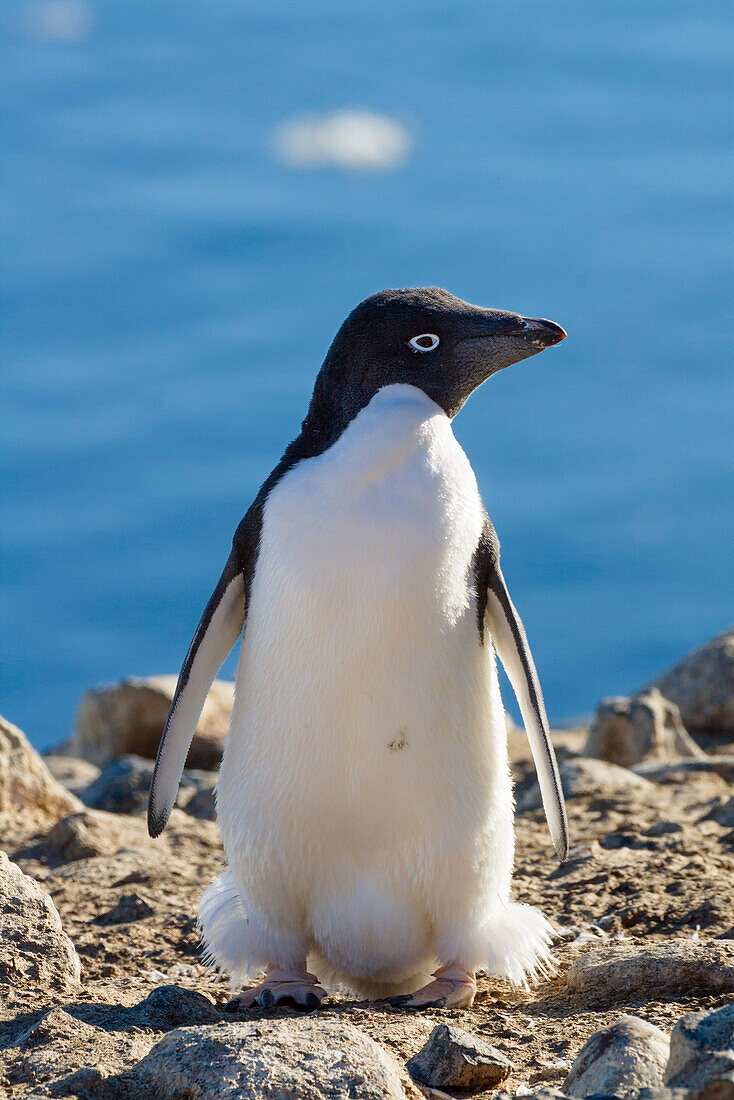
point(455, 1059)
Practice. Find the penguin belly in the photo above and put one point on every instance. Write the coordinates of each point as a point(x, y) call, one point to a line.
point(364, 799)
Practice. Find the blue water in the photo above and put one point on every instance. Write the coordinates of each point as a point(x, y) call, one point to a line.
point(170, 290)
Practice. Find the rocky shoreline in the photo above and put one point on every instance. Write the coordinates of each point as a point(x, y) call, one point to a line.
point(103, 994)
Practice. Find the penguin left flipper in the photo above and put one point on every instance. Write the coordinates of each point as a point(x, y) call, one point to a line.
point(217, 632)
point(511, 643)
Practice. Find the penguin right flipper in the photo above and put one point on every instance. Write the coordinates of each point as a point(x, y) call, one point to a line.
point(217, 632)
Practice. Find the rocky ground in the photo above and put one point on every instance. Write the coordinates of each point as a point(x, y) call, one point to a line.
point(100, 968)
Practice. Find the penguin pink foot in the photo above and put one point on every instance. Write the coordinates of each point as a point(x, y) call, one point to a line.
point(453, 987)
point(290, 986)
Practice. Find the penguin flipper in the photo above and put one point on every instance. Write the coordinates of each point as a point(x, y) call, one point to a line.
point(513, 650)
point(217, 632)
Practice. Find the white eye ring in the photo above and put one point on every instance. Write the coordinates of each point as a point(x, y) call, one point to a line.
point(425, 336)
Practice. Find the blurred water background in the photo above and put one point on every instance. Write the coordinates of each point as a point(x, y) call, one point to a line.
point(179, 250)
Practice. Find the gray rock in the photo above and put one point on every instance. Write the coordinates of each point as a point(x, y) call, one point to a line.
point(27, 787)
point(455, 1059)
point(302, 1059)
point(662, 1093)
point(701, 1048)
point(628, 730)
point(122, 787)
point(679, 771)
point(702, 685)
point(619, 1060)
point(128, 718)
point(71, 772)
point(658, 970)
point(545, 1093)
point(94, 833)
point(200, 802)
point(167, 1007)
point(34, 949)
point(586, 777)
point(131, 907)
point(48, 1053)
point(723, 814)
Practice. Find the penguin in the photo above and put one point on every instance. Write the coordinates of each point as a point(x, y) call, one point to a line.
point(365, 798)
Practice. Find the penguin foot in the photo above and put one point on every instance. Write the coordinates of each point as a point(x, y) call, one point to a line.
point(291, 987)
point(453, 987)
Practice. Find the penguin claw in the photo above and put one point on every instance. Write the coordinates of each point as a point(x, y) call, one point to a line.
point(282, 988)
point(451, 988)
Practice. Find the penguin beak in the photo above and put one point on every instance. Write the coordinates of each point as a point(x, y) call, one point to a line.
point(539, 333)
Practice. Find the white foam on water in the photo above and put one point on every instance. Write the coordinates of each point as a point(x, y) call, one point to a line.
point(352, 138)
point(59, 20)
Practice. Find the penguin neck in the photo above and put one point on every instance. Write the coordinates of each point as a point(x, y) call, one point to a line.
point(325, 424)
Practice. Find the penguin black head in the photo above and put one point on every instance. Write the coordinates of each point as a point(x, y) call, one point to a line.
point(424, 337)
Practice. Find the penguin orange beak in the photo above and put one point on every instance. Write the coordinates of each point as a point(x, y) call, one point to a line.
point(539, 332)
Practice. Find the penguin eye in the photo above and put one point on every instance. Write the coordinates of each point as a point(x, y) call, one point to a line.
point(427, 341)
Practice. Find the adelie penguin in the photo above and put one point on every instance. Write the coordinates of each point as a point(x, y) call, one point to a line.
point(365, 799)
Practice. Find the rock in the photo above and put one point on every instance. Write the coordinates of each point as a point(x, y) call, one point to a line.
point(701, 1048)
point(541, 1093)
point(27, 787)
point(663, 828)
point(723, 814)
point(199, 802)
point(46, 1053)
point(588, 777)
point(94, 833)
point(619, 1060)
point(129, 908)
point(660, 970)
point(702, 686)
point(71, 772)
point(128, 718)
point(456, 1059)
point(123, 785)
point(627, 731)
point(302, 1059)
point(681, 769)
point(33, 946)
point(167, 1007)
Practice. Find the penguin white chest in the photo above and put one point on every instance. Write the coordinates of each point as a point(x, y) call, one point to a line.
point(362, 675)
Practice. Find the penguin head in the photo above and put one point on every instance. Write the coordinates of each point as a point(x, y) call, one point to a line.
point(423, 337)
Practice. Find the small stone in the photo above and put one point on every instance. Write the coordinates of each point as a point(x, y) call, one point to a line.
point(71, 772)
point(124, 784)
point(663, 828)
point(129, 908)
point(27, 788)
point(302, 1059)
point(200, 802)
point(589, 778)
point(658, 970)
point(679, 771)
point(541, 1093)
point(172, 1006)
point(456, 1059)
point(722, 814)
point(628, 730)
point(34, 949)
point(122, 787)
point(94, 833)
point(619, 1060)
point(702, 686)
point(128, 718)
point(167, 1007)
point(701, 1048)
